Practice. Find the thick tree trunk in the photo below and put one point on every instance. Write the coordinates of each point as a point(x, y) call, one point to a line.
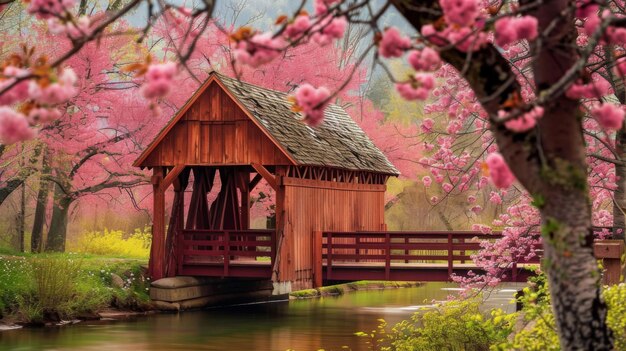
point(36, 239)
point(573, 272)
point(21, 232)
point(58, 224)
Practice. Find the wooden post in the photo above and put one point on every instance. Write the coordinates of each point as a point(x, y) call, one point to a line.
point(157, 249)
point(317, 258)
point(387, 256)
point(450, 254)
point(329, 256)
point(226, 240)
point(610, 252)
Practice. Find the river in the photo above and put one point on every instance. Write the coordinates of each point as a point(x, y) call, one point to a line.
point(301, 325)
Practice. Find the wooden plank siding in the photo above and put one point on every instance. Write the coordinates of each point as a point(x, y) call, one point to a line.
point(313, 205)
point(215, 131)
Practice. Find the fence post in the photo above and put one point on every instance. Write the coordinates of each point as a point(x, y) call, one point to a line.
point(406, 250)
point(387, 256)
point(450, 252)
point(462, 241)
point(329, 256)
point(610, 251)
point(226, 240)
point(317, 258)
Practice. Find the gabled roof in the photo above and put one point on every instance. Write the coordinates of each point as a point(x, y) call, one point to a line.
point(337, 142)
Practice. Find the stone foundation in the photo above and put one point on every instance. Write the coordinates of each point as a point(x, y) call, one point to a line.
point(183, 293)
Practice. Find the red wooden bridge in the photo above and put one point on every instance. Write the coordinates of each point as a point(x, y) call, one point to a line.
point(341, 256)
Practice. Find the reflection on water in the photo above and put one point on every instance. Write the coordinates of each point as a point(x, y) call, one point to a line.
point(301, 325)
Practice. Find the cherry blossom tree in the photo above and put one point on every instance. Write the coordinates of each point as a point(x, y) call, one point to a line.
point(529, 70)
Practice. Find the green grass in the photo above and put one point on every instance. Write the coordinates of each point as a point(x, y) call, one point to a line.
point(35, 288)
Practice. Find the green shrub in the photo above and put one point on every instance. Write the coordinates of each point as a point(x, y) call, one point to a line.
point(114, 243)
point(615, 298)
point(454, 325)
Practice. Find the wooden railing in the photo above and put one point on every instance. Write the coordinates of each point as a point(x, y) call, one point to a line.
point(210, 247)
point(435, 247)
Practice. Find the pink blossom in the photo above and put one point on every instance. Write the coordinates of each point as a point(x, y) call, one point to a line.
point(326, 32)
point(477, 209)
point(609, 116)
point(312, 101)
point(616, 35)
point(299, 25)
point(427, 125)
point(447, 187)
point(159, 80)
point(258, 50)
point(393, 44)
point(525, 122)
point(434, 199)
point(19, 91)
point(595, 89)
point(460, 12)
point(586, 8)
point(321, 6)
point(471, 199)
point(13, 127)
point(499, 171)
point(495, 198)
point(60, 91)
point(426, 59)
point(418, 88)
point(591, 23)
point(44, 9)
point(510, 29)
point(43, 115)
point(427, 181)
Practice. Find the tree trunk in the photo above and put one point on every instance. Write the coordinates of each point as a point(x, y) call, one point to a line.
point(58, 224)
point(36, 239)
point(22, 218)
point(573, 272)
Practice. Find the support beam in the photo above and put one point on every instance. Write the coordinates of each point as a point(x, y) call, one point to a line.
point(255, 181)
point(171, 176)
point(267, 175)
point(157, 249)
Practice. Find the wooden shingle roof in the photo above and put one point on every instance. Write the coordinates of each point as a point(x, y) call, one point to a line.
point(337, 142)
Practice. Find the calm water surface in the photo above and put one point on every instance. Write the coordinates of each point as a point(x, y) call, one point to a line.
point(302, 325)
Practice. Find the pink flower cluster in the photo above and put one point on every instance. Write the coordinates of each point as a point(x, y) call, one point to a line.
point(427, 125)
point(595, 89)
point(312, 101)
point(13, 126)
point(609, 116)
point(525, 122)
point(418, 88)
point(258, 50)
point(74, 29)
point(393, 44)
point(44, 9)
point(499, 171)
point(300, 24)
point(57, 92)
point(511, 29)
point(620, 67)
point(329, 30)
point(426, 59)
point(321, 6)
point(159, 80)
point(462, 13)
point(427, 181)
point(19, 91)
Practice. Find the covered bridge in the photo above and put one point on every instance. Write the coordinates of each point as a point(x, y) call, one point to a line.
point(328, 178)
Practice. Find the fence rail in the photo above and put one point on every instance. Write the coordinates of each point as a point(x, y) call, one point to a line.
point(222, 248)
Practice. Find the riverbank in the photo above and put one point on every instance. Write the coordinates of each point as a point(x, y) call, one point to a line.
point(340, 289)
point(58, 289)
